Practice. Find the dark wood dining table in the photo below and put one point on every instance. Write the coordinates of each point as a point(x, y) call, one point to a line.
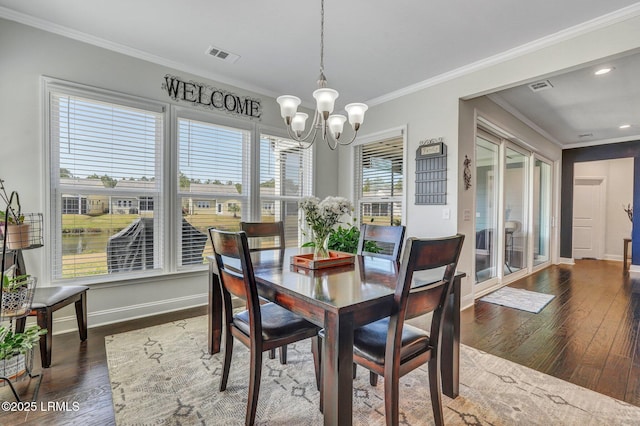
point(338, 299)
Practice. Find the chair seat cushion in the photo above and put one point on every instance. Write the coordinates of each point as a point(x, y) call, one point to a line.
point(277, 322)
point(370, 341)
point(44, 297)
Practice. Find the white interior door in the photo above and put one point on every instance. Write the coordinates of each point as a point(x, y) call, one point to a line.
point(588, 218)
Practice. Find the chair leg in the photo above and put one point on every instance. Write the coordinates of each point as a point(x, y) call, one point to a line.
point(272, 353)
point(373, 378)
point(226, 363)
point(436, 392)
point(355, 370)
point(45, 321)
point(81, 316)
point(283, 354)
point(316, 350)
point(254, 384)
point(391, 396)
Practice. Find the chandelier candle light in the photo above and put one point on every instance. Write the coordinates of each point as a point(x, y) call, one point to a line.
point(330, 125)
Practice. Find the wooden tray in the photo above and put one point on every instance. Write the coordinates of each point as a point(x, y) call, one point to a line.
point(335, 258)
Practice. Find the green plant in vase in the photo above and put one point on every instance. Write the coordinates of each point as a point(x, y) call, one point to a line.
point(321, 217)
point(346, 240)
point(12, 225)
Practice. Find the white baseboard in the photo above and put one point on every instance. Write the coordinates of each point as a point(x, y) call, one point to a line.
point(616, 257)
point(634, 270)
point(66, 324)
point(566, 261)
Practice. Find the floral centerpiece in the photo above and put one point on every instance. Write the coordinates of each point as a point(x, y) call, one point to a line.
point(321, 217)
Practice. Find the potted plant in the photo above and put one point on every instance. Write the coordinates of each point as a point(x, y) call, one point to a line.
point(14, 294)
point(11, 220)
point(14, 348)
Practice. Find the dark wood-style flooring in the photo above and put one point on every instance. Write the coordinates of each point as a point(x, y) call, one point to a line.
point(588, 335)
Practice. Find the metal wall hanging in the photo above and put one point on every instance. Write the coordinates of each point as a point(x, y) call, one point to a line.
point(209, 97)
point(466, 174)
point(431, 172)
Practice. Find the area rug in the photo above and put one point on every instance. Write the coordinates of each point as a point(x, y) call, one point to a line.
point(518, 298)
point(163, 375)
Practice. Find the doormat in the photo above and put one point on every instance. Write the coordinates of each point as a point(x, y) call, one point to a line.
point(518, 298)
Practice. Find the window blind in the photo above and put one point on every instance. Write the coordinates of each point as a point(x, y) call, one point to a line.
point(105, 186)
point(380, 181)
point(286, 171)
point(214, 166)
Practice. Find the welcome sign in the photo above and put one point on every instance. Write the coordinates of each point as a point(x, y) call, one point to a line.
point(211, 97)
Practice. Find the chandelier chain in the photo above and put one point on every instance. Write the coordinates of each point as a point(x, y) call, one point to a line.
point(322, 37)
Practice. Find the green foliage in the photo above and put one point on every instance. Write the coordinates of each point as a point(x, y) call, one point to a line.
point(15, 283)
point(346, 240)
point(12, 344)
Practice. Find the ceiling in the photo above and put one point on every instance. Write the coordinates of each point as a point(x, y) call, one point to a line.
point(373, 49)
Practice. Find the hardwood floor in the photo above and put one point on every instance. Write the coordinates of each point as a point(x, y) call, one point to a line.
point(588, 335)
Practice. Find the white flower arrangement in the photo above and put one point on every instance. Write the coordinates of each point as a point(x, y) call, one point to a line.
point(322, 216)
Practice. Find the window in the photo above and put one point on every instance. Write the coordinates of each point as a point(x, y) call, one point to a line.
point(379, 181)
point(102, 149)
point(213, 164)
point(111, 216)
point(285, 177)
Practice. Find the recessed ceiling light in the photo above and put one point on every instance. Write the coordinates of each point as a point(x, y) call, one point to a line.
point(625, 126)
point(603, 71)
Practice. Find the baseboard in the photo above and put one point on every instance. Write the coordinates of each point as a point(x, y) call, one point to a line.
point(566, 261)
point(616, 257)
point(66, 324)
point(634, 270)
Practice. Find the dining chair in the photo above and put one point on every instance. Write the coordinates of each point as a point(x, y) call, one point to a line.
point(387, 238)
point(261, 327)
point(273, 232)
point(391, 348)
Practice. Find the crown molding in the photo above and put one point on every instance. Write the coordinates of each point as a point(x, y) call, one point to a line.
point(44, 25)
point(615, 17)
point(630, 138)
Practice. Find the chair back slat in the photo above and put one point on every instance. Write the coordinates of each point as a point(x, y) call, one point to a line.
point(387, 236)
point(258, 231)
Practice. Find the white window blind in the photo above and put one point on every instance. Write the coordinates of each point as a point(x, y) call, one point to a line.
point(214, 166)
point(286, 171)
point(105, 186)
point(380, 181)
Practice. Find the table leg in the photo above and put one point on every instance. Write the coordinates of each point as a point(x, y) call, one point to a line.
point(215, 311)
point(450, 356)
point(337, 369)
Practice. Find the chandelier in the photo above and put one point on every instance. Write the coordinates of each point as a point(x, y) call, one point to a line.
point(328, 126)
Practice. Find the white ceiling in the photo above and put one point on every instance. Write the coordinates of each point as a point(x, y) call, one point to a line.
point(373, 48)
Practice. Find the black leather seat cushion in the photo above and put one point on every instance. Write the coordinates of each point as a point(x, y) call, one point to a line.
point(276, 322)
point(370, 341)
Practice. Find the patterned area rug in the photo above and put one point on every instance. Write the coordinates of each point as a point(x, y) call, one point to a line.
point(163, 375)
point(518, 298)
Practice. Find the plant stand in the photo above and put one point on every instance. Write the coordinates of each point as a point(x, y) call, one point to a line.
point(15, 305)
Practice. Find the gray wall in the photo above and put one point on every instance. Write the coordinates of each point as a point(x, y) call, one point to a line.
point(26, 54)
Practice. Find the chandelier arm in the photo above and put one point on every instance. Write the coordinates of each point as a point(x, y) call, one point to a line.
point(329, 137)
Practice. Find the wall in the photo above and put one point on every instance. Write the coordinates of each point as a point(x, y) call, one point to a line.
point(435, 111)
point(570, 157)
point(26, 54)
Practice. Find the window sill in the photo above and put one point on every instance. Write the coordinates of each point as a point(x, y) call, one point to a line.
point(106, 281)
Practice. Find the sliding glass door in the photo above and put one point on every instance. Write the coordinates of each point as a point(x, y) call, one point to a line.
point(516, 212)
point(541, 215)
point(487, 202)
point(513, 211)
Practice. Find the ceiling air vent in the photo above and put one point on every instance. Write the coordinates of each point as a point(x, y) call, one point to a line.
point(585, 135)
point(222, 54)
point(540, 85)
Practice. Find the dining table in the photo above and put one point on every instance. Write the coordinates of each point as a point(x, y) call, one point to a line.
point(339, 299)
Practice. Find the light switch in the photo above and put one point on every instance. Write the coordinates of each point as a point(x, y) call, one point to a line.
point(466, 215)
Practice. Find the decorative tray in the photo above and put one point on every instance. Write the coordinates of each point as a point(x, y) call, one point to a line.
point(335, 258)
